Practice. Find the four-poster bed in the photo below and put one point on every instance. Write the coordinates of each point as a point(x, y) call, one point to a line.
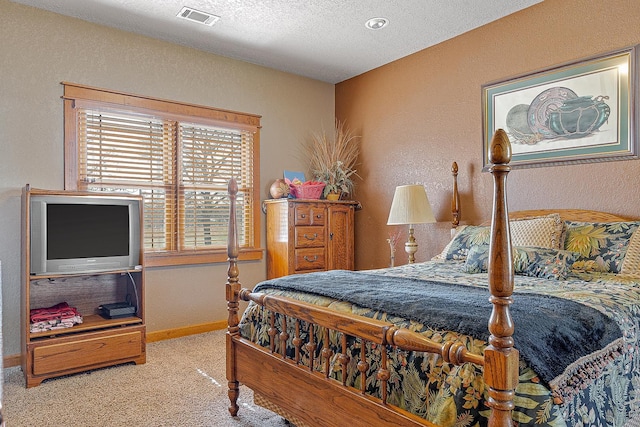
point(352, 352)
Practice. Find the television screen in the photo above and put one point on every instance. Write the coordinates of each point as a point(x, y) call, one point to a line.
point(74, 234)
point(87, 231)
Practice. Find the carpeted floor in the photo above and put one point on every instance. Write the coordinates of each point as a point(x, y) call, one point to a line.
point(182, 384)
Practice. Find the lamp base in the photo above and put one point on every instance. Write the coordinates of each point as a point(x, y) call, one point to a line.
point(411, 247)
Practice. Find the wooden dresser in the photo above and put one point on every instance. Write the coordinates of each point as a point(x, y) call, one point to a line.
point(309, 235)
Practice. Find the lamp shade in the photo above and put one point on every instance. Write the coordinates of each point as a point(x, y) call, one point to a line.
point(410, 206)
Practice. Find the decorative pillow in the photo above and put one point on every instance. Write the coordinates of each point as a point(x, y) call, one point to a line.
point(443, 255)
point(477, 260)
point(468, 237)
point(544, 262)
point(602, 245)
point(527, 261)
point(542, 231)
point(631, 263)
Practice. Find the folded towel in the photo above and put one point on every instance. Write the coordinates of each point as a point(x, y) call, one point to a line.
point(59, 311)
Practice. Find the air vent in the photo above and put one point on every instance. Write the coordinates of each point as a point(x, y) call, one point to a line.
point(198, 16)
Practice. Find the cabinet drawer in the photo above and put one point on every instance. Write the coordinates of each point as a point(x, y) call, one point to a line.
point(309, 214)
point(309, 259)
point(309, 237)
point(52, 358)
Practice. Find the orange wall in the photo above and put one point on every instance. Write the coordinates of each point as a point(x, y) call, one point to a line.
point(420, 113)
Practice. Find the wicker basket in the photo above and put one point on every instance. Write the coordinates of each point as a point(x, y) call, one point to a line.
point(307, 191)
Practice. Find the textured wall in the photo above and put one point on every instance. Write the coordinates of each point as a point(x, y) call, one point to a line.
point(40, 49)
point(418, 114)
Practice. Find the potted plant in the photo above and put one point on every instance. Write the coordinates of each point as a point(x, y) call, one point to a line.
point(332, 160)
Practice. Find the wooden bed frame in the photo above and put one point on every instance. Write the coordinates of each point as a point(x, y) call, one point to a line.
point(310, 397)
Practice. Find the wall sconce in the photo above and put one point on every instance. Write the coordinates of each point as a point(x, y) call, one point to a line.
point(410, 206)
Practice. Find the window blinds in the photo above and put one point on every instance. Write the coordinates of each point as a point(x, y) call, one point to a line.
point(210, 157)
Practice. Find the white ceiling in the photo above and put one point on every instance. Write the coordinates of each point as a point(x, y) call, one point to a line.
point(322, 39)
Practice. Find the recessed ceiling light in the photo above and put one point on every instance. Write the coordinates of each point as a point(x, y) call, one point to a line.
point(376, 23)
point(191, 14)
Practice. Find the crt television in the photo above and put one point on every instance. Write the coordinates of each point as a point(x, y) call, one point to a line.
point(71, 234)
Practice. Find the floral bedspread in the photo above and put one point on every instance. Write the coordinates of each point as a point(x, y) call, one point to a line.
point(602, 389)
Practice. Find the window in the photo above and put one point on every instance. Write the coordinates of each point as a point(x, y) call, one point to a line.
point(179, 157)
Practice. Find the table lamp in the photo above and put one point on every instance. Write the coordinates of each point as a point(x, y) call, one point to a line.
point(410, 206)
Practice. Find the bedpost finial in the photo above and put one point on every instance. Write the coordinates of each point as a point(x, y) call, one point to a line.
point(455, 198)
point(500, 148)
point(233, 186)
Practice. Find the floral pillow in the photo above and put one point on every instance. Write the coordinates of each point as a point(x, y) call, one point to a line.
point(467, 238)
point(602, 246)
point(527, 261)
point(443, 254)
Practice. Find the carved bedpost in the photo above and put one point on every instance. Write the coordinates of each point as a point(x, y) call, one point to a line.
point(455, 198)
point(501, 359)
point(232, 289)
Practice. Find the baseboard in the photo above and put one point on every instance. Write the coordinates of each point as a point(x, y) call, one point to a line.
point(11, 361)
point(167, 334)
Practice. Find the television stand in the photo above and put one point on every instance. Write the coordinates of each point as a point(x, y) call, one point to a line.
point(97, 342)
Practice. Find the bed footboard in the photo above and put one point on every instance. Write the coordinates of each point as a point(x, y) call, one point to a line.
point(278, 376)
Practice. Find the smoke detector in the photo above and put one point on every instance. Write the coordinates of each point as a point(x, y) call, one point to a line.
point(191, 14)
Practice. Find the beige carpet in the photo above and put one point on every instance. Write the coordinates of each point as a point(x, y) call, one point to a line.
point(182, 384)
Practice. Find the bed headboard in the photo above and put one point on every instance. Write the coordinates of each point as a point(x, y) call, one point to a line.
point(579, 215)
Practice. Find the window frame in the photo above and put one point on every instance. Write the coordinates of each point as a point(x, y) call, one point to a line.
point(76, 95)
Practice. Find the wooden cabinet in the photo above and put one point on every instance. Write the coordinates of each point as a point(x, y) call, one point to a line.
point(309, 235)
point(97, 341)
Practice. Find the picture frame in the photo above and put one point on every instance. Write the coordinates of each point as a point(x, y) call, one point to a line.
point(290, 176)
point(579, 112)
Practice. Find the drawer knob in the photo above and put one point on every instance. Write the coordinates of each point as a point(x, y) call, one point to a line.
point(303, 216)
point(308, 259)
point(312, 237)
point(318, 216)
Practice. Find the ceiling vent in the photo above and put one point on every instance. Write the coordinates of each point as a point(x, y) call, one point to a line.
point(191, 14)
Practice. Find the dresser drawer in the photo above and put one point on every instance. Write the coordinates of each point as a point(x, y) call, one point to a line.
point(309, 237)
point(309, 214)
point(65, 356)
point(309, 259)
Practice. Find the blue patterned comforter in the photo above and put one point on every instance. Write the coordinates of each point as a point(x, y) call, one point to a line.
point(601, 388)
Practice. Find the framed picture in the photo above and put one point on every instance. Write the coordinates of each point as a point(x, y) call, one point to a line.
point(290, 176)
point(584, 111)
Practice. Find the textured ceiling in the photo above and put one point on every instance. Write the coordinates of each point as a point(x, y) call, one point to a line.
point(321, 39)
